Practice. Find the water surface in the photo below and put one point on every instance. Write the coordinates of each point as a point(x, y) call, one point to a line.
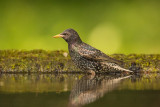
point(72, 90)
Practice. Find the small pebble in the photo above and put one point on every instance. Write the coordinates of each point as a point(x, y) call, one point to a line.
point(65, 54)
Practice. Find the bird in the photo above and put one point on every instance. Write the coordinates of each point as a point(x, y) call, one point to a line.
point(88, 58)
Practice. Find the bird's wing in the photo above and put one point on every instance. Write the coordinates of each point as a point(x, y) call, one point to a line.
point(92, 53)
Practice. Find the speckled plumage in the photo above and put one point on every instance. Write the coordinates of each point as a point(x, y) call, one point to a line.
point(88, 58)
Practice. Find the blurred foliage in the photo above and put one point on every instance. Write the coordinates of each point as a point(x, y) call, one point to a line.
point(113, 26)
point(17, 61)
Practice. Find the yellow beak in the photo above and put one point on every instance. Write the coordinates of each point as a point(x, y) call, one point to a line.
point(58, 36)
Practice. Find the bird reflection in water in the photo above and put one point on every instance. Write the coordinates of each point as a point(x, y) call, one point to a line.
point(88, 89)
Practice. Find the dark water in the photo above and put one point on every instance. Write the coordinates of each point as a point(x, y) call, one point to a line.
point(49, 90)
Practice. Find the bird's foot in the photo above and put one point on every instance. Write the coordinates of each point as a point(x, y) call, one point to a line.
point(91, 74)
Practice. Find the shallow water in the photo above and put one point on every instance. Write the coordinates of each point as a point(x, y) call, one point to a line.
point(61, 90)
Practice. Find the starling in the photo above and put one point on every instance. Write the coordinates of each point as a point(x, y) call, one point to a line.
point(88, 58)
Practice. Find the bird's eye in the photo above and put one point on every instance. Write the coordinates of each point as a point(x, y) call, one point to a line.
point(65, 34)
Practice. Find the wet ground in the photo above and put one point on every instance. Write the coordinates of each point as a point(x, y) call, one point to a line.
point(72, 90)
point(40, 78)
point(38, 61)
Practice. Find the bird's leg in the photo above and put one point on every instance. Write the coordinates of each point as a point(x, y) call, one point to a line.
point(91, 74)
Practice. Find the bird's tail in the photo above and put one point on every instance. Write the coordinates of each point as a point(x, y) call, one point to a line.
point(115, 67)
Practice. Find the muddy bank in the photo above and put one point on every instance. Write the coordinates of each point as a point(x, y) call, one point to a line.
point(19, 61)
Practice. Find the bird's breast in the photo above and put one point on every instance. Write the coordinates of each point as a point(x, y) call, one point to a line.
point(73, 51)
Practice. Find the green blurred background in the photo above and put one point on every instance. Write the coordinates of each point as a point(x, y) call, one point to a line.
point(113, 26)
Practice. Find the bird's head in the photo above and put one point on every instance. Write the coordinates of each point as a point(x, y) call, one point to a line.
point(70, 36)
